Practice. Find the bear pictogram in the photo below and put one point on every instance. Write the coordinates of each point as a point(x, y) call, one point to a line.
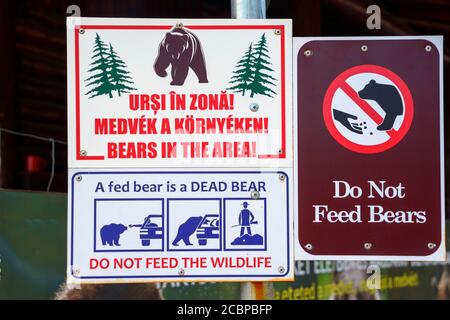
point(181, 49)
point(110, 233)
point(388, 98)
point(186, 229)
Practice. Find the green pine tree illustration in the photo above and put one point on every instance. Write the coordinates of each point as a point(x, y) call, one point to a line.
point(252, 71)
point(101, 77)
point(119, 76)
point(261, 66)
point(243, 76)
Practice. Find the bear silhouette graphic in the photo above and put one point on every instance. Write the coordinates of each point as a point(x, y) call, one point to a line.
point(181, 49)
point(186, 229)
point(388, 98)
point(110, 233)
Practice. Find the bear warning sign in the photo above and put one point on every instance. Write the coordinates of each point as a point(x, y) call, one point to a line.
point(370, 152)
point(181, 150)
point(134, 226)
point(168, 93)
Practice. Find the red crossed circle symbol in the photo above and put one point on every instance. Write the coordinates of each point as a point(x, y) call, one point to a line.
point(395, 136)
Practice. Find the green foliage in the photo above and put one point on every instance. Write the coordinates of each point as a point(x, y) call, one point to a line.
point(109, 70)
point(119, 75)
point(252, 71)
point(243, 76)
point(262, 65)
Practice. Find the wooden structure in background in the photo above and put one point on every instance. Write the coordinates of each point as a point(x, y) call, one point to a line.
point(7, 94)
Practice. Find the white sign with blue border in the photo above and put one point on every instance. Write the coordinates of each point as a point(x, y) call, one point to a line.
point(151, 225)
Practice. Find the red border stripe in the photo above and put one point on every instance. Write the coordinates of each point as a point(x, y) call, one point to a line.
point(283, 96)
point(196, 27)
point(77, 92)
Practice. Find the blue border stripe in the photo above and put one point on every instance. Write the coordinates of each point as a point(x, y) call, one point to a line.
point(176, 276)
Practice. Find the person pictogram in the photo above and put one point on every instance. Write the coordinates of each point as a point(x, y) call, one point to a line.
point(246, 219)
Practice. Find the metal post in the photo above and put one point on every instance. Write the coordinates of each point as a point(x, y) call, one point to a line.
point(252, 9)
point(248, 9)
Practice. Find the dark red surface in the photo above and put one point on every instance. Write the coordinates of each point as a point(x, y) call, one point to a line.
point(414, 161)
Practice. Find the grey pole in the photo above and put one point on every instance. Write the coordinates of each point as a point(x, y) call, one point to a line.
point(252, 9)
point(248, 9)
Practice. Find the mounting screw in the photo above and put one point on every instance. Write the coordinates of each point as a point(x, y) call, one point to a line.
point(254, 106)
point(179, 25)
point(431, 245)
point(79, 178)
point(280, 151)
point(76, 271)
point(282, 177)
point(254, 194)
point(308, 53)
point(367, 246)
point(277, 32)
point(363, 48)
point(81, 31)
point(428, 48)
point(281, 269)
point(181, 272)
point(83, 153)
point(308, 246)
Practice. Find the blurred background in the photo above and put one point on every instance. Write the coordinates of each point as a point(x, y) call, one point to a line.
point(33, 135)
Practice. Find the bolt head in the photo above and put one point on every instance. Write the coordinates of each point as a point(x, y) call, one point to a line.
point(81, 31)
point(308, 246)
point(307, 53)
point(179, 25)
point(431, 245)
point(364, 48)
point(254, 107)
point(428, 48)
point(181, 272)
point(367, 246)
point(79, 178)
point(255, 194)
point(282, 177)
point(281, 269)
point(83, 153)
point(277, 31)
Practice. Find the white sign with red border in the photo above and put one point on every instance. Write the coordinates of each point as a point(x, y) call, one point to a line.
point(179, 93)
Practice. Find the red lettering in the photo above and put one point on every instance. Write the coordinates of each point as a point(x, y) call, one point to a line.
point(95, 263)
point(101, 126)
point(161, 263)
point(132, 150)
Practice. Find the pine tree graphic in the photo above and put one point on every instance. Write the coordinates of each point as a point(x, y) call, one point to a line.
point(109, 72)
point(101, 78)
point(119, 75)
point(243, 76)
point(252, 71)
point(262, 65)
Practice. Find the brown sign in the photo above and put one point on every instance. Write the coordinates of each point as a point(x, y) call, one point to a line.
point(370, 148)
